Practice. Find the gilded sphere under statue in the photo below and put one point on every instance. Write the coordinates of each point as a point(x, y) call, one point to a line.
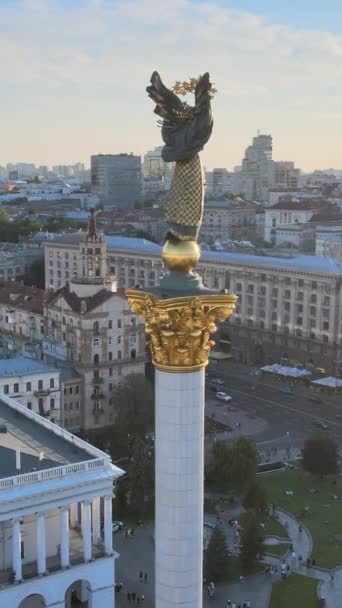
point(181, 256)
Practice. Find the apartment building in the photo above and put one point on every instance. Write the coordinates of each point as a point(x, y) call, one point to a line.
point(90, 322)
point(116, 179)
point(227, 220)
point(34, 384)
point(21, 320)
point(287, 305)
point(55, 515)
point(287, 213)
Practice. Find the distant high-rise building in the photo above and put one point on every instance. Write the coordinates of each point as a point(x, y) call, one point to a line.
point(116, 179)
point(218, 182)
point(257, 169)
point(154, 166)
point(285, 175)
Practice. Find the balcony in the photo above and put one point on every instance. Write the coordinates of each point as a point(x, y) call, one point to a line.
point(42, 392)
point(97, 396)
point(98, 380)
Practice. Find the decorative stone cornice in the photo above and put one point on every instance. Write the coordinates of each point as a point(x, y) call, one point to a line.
point(180, 328)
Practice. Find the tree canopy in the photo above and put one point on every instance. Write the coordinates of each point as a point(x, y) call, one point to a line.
point(134, 406)
point(233, 467)
point(255, 497)
point(320, 456)
point(252, 545)
point(215, 559)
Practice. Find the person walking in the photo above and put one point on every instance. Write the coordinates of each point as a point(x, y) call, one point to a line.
point(141, 576)
point(332, 577)
point(145, 577)
point(228, 604)
point(142, 598)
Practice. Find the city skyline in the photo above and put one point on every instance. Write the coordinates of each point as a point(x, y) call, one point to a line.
point(74, 77)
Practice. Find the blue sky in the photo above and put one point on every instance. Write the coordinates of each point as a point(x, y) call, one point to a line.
point(74, 74)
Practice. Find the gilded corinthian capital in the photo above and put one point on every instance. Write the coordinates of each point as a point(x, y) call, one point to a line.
point(180, 328)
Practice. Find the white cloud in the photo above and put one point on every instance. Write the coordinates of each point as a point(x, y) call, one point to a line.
point(267, 75)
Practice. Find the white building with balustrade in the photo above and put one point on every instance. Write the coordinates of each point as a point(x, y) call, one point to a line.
point(56, 542)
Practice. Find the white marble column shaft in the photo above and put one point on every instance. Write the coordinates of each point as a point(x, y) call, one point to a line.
point(86, 530)
point(74, 514)
point(64, 531)
point(96, 523)
point(41, 543)
point(179, 489)
point(16, 550)
point(108, 532)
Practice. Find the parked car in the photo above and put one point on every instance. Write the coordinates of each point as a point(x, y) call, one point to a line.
point(218, 381)
point(117, 525)
point(223, 396)
point(287, 390)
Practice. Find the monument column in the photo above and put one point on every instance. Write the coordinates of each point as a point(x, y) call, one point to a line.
point(180, 316)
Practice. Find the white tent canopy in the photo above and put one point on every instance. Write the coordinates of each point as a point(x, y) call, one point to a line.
point(330, 381)
point(283, 370)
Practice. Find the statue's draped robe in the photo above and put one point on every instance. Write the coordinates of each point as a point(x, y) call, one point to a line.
point(185, 201)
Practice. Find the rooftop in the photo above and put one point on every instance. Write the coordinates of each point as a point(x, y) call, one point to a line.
point(20, 366)
point(23, 297)
point(292, 262)
point(41, 447)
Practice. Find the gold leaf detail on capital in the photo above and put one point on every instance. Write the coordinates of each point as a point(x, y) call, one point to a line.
point(180, 328)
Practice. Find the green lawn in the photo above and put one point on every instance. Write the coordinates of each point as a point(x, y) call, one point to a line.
point(323, 518)
point(295, 591)
point(278, 550)
point(272, 526)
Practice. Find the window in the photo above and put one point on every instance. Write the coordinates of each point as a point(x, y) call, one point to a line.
point(287, 294)
point(52, 404)
point(326, 301)
point(313, 298)
point(96, 327)
point(326, 325)
point(77, 405)
point(16, 388)
point(77, 390)
point(119, 339)
point(274, 327)
point(110, 386)
point(41, 406)
point(133, 354)
point(287, 281)
point(29, 405)
point(28, 386)
point(40, 385)
point(299, 307)
point(274, 316)
point(119, 354)
point(287, 306)
point(22, 550)
point(274, 292)
point(96, 359)
point(313, 311)
point(110, 341)
point(96, 343)
point(274, 304)
point(261, 324)
point(325, 338)
point(299, 321)
point(313, 284)
point(63, 320)
point(133, 321)
point(250, 288)
point(312, 322)
point(110, 356)
point(249, 323)
point(326, 313)
point(110, 371)
point(110, 324)
point(238, 287)
point(300, 283)
point(300, 295)
point(250, 312)
point(119, 323)
point(70, 390)
point(52, 383)
point(65, 391)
